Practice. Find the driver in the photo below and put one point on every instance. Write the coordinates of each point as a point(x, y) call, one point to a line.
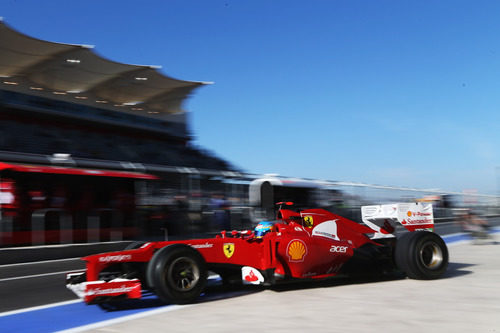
point(263, 228)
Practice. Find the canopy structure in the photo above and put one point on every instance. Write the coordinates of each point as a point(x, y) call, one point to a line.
point(73, 171)
point(77, 74)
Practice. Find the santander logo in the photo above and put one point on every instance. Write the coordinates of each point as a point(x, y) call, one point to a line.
point(114, 258)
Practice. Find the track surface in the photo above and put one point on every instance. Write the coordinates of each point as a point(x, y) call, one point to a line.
point(33, 284)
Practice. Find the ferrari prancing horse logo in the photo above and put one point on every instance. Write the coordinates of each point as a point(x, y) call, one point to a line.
point(228, 249)
point(308, 221)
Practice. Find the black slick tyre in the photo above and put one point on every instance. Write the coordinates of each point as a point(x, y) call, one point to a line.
point(422, 255)
point(177, 273)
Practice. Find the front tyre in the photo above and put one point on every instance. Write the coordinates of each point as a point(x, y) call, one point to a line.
point(177, 273)
point(422, 255)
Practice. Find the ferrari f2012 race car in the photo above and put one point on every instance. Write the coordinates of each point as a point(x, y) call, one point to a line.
point(300, 245)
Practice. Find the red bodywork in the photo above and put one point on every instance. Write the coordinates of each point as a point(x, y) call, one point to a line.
point(311, 244)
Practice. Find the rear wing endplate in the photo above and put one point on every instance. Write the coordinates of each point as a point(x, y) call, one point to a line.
point(385, 218)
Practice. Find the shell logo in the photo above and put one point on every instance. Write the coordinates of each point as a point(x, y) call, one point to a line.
point(296, 250)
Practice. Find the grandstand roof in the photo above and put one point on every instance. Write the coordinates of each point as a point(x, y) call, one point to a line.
point(78, 74)
point(73, 171)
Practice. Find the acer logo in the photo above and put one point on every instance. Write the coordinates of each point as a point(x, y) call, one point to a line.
point(338, 249)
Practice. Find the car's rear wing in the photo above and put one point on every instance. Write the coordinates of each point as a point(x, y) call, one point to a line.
point(385, 218)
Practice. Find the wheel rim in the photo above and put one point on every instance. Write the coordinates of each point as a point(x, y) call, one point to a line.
point(431, 255)
point(183, 274)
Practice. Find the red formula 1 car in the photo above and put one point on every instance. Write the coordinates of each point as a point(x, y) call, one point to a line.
point(309, 244)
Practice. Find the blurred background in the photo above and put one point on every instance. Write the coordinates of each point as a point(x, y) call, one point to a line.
point(99, 150)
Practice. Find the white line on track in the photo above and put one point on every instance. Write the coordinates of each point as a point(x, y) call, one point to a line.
point(62, 245)
point(41, 307)
point(38, 262)
point(38, 275)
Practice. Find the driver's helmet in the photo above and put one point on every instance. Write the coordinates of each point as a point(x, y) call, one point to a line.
point(263, 228)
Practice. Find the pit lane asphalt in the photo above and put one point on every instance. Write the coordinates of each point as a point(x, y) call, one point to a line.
point(467, 299)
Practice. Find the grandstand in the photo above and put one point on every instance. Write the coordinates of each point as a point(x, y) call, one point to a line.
point(67, 100)
point(92, 149)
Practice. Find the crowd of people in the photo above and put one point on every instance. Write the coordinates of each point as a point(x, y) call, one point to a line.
point(89, 142)
point(477, 227)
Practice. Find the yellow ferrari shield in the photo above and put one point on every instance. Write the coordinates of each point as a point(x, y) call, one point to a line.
point(228, 249)
point(308, 221)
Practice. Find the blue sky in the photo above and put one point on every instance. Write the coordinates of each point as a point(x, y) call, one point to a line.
point(395, 92)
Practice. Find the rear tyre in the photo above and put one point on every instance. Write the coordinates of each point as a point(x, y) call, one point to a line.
point(422, 255)
point(177, 274)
